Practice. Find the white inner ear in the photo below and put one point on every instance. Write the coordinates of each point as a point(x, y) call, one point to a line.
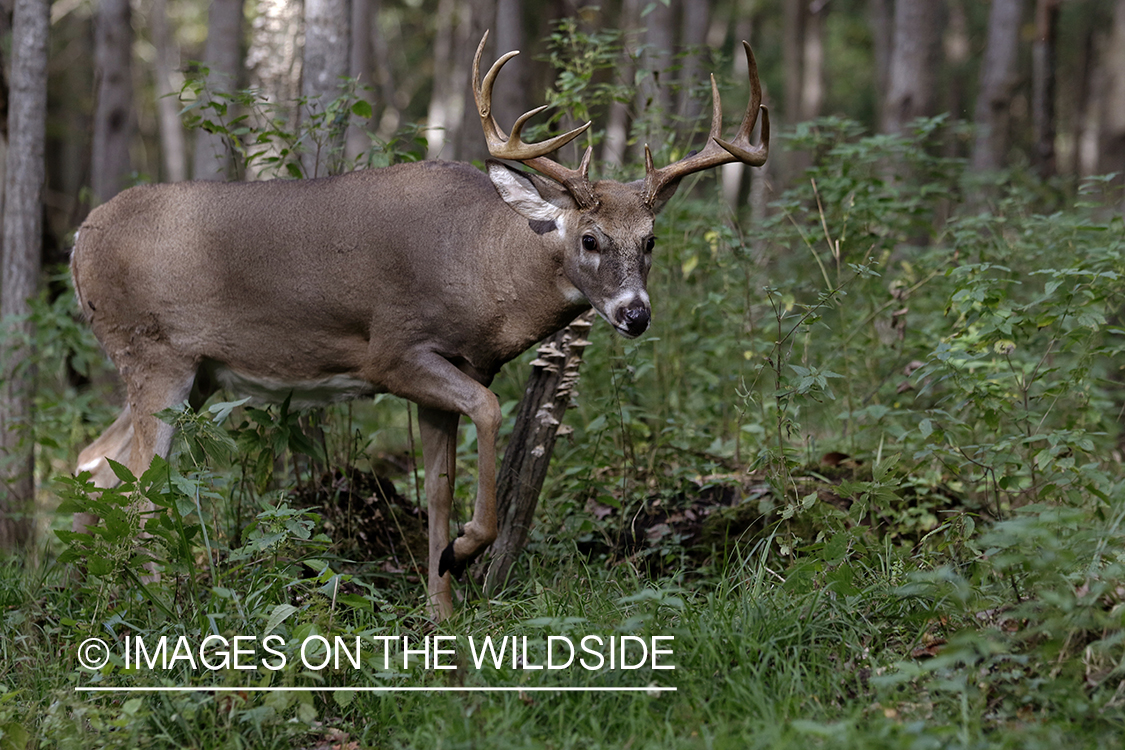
point(520, 193)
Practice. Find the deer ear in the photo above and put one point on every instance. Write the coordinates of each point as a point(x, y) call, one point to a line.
point(522, 193)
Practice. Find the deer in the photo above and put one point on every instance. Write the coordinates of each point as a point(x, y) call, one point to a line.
point(417, 279)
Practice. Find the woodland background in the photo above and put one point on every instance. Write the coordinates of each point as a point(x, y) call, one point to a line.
point(866, 465)
point(1042, 82)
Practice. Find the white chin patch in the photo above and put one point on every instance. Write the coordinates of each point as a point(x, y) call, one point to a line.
point(623, 299)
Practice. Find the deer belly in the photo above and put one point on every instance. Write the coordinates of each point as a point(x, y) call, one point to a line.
point(302, 394)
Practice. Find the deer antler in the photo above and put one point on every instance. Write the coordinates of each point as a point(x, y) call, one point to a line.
point(717, 151)
point(512, 147)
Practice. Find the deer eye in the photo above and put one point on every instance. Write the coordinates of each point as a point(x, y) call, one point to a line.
point(650, 243)
point(590, 243)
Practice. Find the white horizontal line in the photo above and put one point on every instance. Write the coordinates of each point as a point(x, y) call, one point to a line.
point(248, 689)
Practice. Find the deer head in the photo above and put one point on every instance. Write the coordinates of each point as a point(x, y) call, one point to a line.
point(605, 227)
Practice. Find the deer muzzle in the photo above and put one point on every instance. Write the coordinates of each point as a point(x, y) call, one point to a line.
point(632, 319)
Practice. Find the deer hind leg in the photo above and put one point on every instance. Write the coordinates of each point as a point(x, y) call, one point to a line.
point(137, 434)
point(115, 443)
point(162, 386)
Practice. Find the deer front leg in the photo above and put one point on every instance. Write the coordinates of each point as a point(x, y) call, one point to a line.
point(439, 453)
point(481, 530)
point(443, 392)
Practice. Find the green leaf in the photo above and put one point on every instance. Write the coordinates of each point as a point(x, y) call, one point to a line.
point(362, 108)
point(926, 427)
point(13, 736)
point(121, 471)
point(280, 614)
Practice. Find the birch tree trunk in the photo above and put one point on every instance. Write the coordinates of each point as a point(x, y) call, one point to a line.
point(509, 100)
point(476, 16)
point(654, 97)
point(997, 83)
point(694, 74)
point(114, 119)
point(327, 57)
point(173, 147)
point(616, 141)
point(21, 251)
point(359, 69)
point(914, 61)
point(881, 19)
point(444, 109)
point(273, 59)
point(223, 57)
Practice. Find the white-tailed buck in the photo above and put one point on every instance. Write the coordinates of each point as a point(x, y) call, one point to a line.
point(419, 280)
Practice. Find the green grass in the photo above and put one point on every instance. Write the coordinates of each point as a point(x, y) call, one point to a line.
point(820, 659)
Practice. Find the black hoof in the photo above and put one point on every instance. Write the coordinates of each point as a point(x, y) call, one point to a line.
point(449, 562)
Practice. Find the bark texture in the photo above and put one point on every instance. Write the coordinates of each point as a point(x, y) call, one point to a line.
point(172, 141)
point(22, 246)
point(327, 61)
point(915, 49)
point(1112, 141)
point(538, 424)
point(1044, 62)
point(997, 84)
point(223, 57)
point(114, 119)
point(273, 59)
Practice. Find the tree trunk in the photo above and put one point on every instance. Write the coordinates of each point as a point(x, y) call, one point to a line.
point(538, 423)
point(327, 56)
point(812, 61)
point(114, 119)
point(445, 102)
point(21, 251)
point(223, 57)
point(791, 57)
point(803, 61)
point(273, 59)
point(509, 100)
point(958, 50)
point(694, 73)
point(172, 142)
point(475, 17)
point(997, 83)
point(1112, 140)
point(914, 62)
point(616, 141)
point(1044, 58)
point(359, 69)
point(654, 97)
point(393, 101)
point(882, 34)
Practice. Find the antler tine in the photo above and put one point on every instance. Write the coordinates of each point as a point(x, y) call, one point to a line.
point(512, 147)
point(741, 147)
point(718, 151)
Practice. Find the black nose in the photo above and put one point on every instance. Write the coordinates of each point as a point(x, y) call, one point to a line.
point(634, 317)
